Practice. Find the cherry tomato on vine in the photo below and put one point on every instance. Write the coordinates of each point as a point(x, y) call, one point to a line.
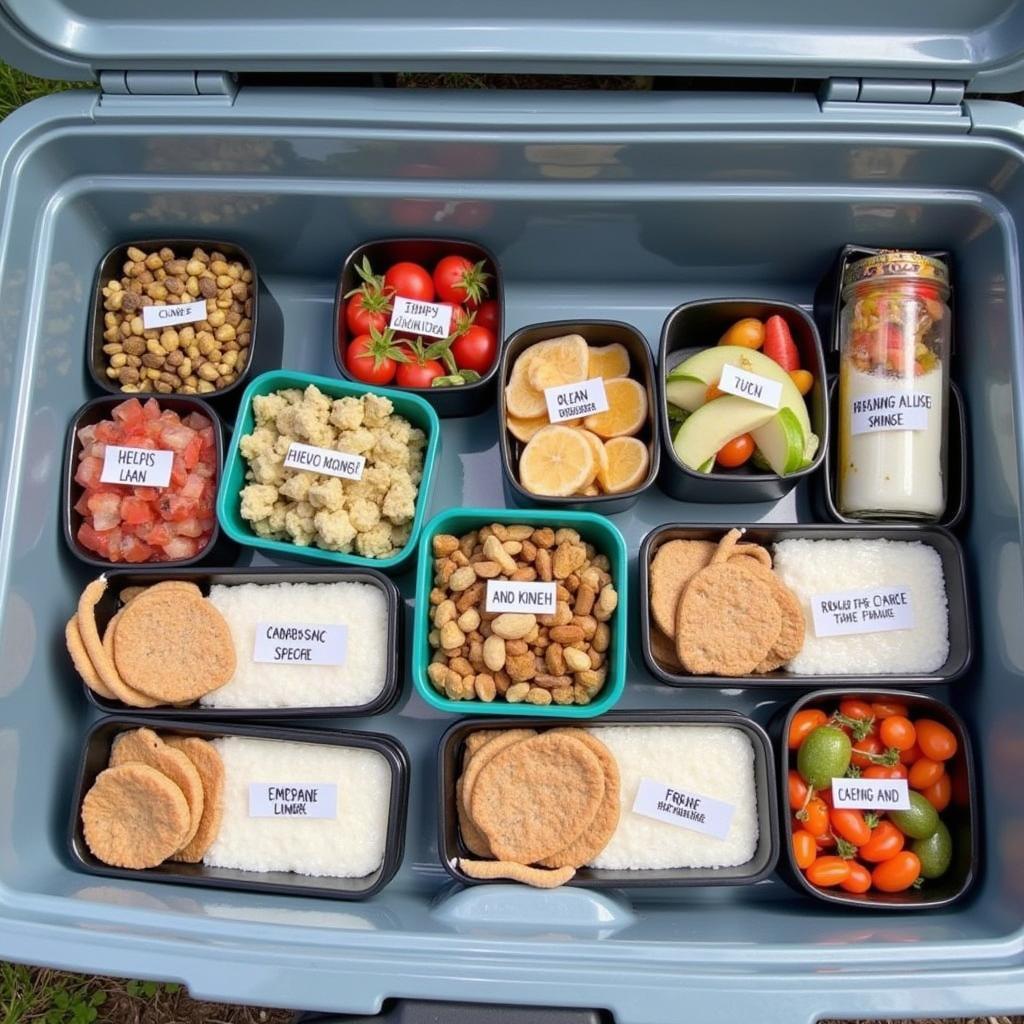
point(828, 871)
point(850, 825)
point(868, 745)
point(938, 794)
point(414, 374)
point(475, 349)
point(888, 708)
point(373, 358)
point(735, 452)
point(885, 842)
point(457, 279)
point(805, 850)
point(858, 709)
point(897, 873)
point(814, 817)
point(897, 731)
point(910, 755)
point(925, 772)
point(803, 724)
point(367, 311)
point(885, 771)
point(825, 842)
point(859, 880)
point(487, 315)
point(935, 740)
point(410, 281)
point(797, 790)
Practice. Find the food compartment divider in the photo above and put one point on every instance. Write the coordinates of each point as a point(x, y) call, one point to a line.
point(96, 754)
point(961, 642)
point(204, 579)
point(964, 824)
point(450, 846)
point(641, 364)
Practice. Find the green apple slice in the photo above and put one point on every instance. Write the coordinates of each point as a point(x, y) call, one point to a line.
point(781, 442)
point(712, 425)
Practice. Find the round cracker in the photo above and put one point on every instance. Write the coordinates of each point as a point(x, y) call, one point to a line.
point(673, 566)
point(134, 817)
point(727, 545)
point(173, 646)
point(476, 740)
point(791, 635)
point(595, 838)
point(207, 762)
point(474, 840)
point(754, 551)
point(664, 650)
point(537, 877)
point(728, 621)
point(143, 746)
point(535, 797)
point(80, 659)
point(473, 765)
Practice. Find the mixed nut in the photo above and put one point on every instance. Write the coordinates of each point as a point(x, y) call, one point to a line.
point(519, 656)
point(187, 358)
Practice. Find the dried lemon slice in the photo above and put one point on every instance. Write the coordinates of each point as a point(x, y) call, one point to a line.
point(626, 463)
point(608, 361)
point(557, 462)
point(600, 456)
point(627, 409)
point(524, 429)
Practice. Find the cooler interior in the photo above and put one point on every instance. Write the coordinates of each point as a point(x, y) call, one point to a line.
point(654, 219)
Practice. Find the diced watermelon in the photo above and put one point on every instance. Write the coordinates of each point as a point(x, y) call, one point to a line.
point(82, 505)
point(197, 421)
point(176, 437)
point(129, 413)
point(205, 470)
point(133, 549)
point(159, 534)
point(175, 508)
point(106, 510)
point(179, 471)
point(192, 452)
point(194, 487)
point(91, 540)
point(88, 472)
point(180, 547)
point(189, 528)
point(135, 511)
point(96, 450)
point(207, 523)
point(151, 409)
point(114, 545)
point(146, 493)
point(86, 435)
point(208, 438)
point(108, 432)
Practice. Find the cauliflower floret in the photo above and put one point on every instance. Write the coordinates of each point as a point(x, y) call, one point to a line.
point(266, 407)
point(400, 502)
point(347, 413)
point(283, 443)
point(376, 410)
point(297, 487)
point(398, 428)
point(390, 452)
point(316, 401)
point(310, 424)
point(257, 501)
point(327, 494)
point(377, 480)
point(277, 515)
point(299, 526)
point(334, 530)
point(356, 442)
point(262, 528)
point(259, 441)
point(375, 543)
point(284, 422)
point(417, 439)
point(268, 468)
point(400, 535)
point(365, 515)
point(354, 489)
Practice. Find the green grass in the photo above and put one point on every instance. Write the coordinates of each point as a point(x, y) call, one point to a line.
point(17, 88)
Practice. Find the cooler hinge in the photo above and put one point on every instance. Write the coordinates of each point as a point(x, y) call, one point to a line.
point(887, 98)
point(215, 88)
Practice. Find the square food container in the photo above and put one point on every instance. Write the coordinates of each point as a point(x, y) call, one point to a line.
point(110, 268)
point(204, 579)
point(592, 528)
point(961, 642)
point(962, 817)
point(466, 399)
point(98, 409)
point(597, 333)
point(418, 412)
point(96, 754)
point(694, 326)
point(451, 848)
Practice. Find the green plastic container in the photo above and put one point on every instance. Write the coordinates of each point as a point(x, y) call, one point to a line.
point(592, 528)
point(418, 412)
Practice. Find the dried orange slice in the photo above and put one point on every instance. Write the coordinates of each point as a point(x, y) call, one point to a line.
point(627, 463)
point(600, 455)
point(558, 461)
point(557, 361)
point(608, 361)
point(627, 409)
point(524, 429)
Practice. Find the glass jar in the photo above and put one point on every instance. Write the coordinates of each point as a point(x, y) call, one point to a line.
point(893, 387)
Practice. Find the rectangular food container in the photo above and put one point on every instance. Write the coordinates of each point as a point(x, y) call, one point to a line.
point(962, 816)
point(204, 579)
point(467, 399)
point(759, 867)
point(110, 268)
point(597, 332)
point(961, 643)
point(592, 528)
point(97, 409)
point(96, 753)
point(957, 474)
point(698, 325)
point(418, 412)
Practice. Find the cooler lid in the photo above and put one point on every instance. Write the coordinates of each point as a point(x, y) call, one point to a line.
point(971, 41)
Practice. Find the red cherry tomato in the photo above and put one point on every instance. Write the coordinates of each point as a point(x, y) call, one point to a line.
point(938, 794)
point(850, 825)
point(935, 740)
point(897, 731)
point(805, 851)
point(797, 790)
point(475, 349)
point(418, 374)
point(366, 312)
point(814, 817)
point(735, 452)
point(488, 315)
point(825, 842)
point(828, 871)
point(857, 709)
point(885, 771)
point(885, 842)
point(371, 360)
point(410, 281)
point(868, 745)
point(888, 708)
point(457, 279)
point(910, 755)
point(897, 873)
point(859, 880)
point(803, 724)
point(924, 773)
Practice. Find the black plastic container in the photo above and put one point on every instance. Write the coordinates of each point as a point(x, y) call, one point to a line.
point(96, 755)
point(450, 845)
point(641, 364)
point(466, 399)
point(110, 268)
point(961, 643)
point(957, 483)
point(203, 578)
point(695, 326)
point(99, 409)
point(961, 816)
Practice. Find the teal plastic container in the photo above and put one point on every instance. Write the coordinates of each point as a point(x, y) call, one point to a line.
point(418, 412)
point(592, 528)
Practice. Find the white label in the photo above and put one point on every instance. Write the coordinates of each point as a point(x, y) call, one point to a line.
point(745, 384)
point(155, 317)
point(137, 467)
point(878, 610)
point(293, 800)
point(432, 319)
point(893, 410)
point(515, 596)
point(683, 808)
point(871, 794)
point(299, 643)
point(571, 401)
point(324, 460)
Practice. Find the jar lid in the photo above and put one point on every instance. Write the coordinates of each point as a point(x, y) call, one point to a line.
point(895, 264)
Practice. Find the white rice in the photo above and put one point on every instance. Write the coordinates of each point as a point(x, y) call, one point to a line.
point(361, 607)
point(813, 567)
point(705, 760)
point(348, 846)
